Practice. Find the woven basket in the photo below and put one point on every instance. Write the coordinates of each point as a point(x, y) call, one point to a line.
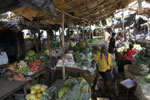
point(127, 73)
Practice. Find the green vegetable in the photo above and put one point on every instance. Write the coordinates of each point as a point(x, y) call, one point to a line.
point(147, 78)
point(62, 91)
point(30, 53)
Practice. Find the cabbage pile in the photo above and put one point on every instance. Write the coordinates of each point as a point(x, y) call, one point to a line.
point(74, 89)
point(82, 47)
point(94, 40)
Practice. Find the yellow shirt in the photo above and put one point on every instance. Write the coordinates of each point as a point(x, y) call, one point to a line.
point(72, 44)
point(102, 62)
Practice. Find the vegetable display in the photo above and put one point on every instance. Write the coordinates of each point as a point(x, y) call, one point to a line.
point(35, 65)
point(126, 46)
point(73, 89)
point(94, 40)
point(141, 64)
point(36, 92)
point(18, 77)
point(82, 47)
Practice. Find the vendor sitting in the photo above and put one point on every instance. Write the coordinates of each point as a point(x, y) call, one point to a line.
point(3, 62)
point(129, 55)
point(105, 68)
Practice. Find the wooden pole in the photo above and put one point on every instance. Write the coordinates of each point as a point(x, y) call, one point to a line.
point(123, 25)
point(148, 29)
point(139, 6)
point(63, 43)
point(36, 43)
point(49, 43)
point(90, 32)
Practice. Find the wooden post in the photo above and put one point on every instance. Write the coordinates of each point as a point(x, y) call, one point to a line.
point(139, 6)
point(36, 43)
point(123, 25)
point(90, 32)
point(49, 43)
point(83, 34)
point(148, 29)
point(63, 43)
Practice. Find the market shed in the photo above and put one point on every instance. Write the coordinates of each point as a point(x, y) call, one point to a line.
point(76, 10)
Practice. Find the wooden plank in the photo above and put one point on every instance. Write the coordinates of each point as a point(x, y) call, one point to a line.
point(7, 88)
point(38, 73)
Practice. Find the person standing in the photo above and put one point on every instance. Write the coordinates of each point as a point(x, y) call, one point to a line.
point(105, 68)
point(3, 62)
point(112, 45)
point(129, 55)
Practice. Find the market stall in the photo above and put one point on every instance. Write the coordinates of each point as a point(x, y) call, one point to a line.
point(78, 61)
point(139, 71)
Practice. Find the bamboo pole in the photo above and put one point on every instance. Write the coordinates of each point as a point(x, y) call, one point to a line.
point(63, 49)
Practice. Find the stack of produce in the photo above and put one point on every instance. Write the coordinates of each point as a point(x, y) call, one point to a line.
point(17, 77)
point(125, 47)
point(73, 89)
point(55, 43)
point(45, 59)
point(52, 52)
point(68, 61)
point(143, 56)
point(82, 47)
point(21, 67)
point(30, 56)
point(141, 64)
point(94, 40)
point(35, 65)
point(82, 59)
point(36, 92)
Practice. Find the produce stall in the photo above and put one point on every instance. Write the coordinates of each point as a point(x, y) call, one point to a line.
point(96, 42)
point(79, 61)
point(120, 51)
point(139, 71)
point(70, 89)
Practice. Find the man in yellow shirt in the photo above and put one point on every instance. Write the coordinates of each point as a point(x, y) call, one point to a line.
point(105, 68)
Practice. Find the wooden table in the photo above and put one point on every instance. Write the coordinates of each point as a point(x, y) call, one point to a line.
point(7, 88)
point(38, 73)
point(85, 73)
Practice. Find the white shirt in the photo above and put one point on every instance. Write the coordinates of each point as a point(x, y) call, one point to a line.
point(106, 36)
point(3, 58)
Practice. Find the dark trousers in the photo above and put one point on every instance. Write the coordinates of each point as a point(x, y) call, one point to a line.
point(121, 65)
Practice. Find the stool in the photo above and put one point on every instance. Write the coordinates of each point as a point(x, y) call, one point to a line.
point(127, 85)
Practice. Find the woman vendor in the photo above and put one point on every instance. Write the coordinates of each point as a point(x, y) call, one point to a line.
point(3, 62)
point(129, 56)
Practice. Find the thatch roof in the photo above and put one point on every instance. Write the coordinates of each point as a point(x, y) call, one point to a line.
point(75, 10)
